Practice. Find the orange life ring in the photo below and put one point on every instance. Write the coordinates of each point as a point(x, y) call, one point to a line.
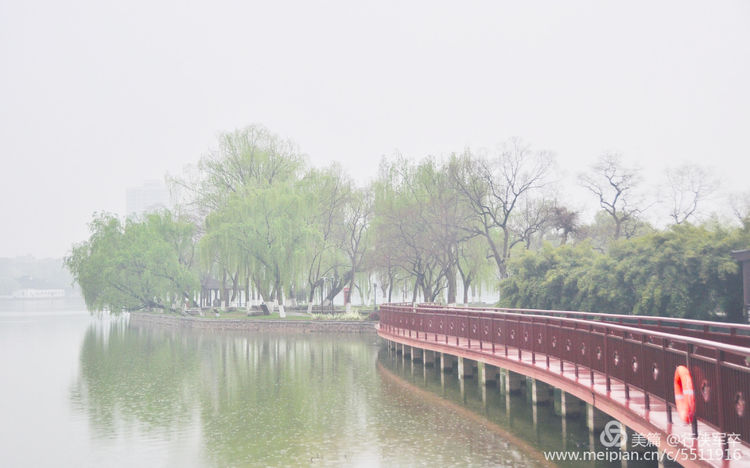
point(684, 396)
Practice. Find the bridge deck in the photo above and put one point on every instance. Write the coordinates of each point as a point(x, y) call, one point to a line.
point(625, 404)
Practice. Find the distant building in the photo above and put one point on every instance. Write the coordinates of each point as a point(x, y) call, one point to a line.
point(151, 196)
point(38, 293)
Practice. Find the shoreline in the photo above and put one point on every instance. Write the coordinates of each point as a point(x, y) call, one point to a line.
point(296, 326)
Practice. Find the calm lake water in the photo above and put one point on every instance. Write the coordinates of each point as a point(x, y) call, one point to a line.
point(84, 391)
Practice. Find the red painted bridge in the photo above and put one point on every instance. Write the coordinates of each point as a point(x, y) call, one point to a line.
point(621, 365)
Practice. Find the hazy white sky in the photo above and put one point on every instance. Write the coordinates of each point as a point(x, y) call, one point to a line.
point(98, 96)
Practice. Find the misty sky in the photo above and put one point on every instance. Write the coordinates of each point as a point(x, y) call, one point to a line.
point(98, 96)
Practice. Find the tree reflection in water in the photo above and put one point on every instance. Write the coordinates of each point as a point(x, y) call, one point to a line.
point(241, 399)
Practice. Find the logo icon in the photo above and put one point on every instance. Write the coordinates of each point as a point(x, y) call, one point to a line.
point(612, 435)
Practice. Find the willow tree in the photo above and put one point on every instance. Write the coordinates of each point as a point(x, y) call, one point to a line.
point(221, 256)
point(444, 215)
point(262, 225)
point(327, 192)
point(417, 225)
point(473, 265)
point(143, 263)
point(247, 157)
point(245, 160)
point(354, 230)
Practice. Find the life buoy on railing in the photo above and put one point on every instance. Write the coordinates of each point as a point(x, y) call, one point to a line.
point(684, 395)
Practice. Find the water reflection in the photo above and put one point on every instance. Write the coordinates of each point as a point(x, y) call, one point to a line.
point(254, 400)
point(229, 399)
point(131, 376)
point(524, 430)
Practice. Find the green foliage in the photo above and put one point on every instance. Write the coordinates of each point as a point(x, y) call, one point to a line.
point(136, 265)
point(686, 271)
point(418, 226)
point(330, 253)
point(248, 157)
point(473, 265)
point(263, 225)
point(272, 222)
point(599, 232)
point(270, 225)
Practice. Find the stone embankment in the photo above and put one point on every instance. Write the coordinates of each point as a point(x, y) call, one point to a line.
point(298, 326)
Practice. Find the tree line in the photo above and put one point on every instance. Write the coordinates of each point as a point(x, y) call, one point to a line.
point(255, 217)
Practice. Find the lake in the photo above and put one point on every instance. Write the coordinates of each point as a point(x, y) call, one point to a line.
point(87, 391)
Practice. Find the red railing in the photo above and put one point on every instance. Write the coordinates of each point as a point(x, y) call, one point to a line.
point(640, 355)
point(732, 333)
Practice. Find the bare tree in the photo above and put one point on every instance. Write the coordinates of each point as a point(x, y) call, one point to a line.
point(615, 187)
point(533, 216)
point(740, 203)
point(496, 189)
point(688, 186)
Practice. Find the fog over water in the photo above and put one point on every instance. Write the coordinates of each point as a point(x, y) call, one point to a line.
point(98, 97)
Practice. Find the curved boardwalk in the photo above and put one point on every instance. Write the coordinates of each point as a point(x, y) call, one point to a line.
point(621, 365)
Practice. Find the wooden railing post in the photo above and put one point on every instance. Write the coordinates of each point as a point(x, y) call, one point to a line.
point(694, 423)
point(518, 338)
point(666, 380)
point(720, 403)
point(591, 358)
point(505, 336)
point(533, 341)
point(492, 334)
point(606, 360)
point(544, 340)
point(642, 368)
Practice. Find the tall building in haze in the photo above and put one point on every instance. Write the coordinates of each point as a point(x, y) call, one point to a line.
point(151, 196)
